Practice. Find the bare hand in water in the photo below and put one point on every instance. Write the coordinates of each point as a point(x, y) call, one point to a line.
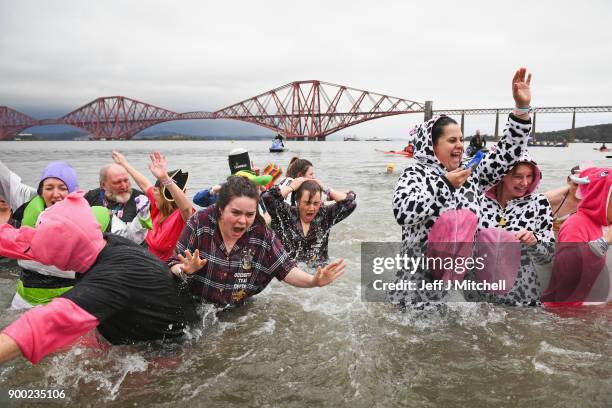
point(458, 176)
point(192, 263)
point(329, 273)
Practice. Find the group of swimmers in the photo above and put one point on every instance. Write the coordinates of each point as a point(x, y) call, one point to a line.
point(439, 201)
point(103, 258)
point(134, 264)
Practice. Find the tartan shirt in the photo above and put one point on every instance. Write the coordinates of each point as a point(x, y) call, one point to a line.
point(230, 278)
point(311, 248)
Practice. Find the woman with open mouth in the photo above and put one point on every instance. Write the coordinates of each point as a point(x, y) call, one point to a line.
point(227, 254)
point(304, 227)
point(436, 182)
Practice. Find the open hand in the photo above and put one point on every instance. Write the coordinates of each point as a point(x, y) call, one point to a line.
point(521, 88)
point(158, 165)
point(329, 273)
point(192, 263)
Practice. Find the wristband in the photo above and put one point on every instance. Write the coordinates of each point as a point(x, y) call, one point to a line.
point(167, 182)
point(603, 244)
point(289, 185)
point(522, 111)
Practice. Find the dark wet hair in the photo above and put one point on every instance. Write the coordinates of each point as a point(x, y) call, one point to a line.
point(438, 128)
point(237, 186)
point(311, 186)
point(298, 167)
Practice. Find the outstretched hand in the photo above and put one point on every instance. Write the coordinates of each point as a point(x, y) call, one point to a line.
point(192, 263)
point(328, 274)
point(521, 88)
point(158, 165)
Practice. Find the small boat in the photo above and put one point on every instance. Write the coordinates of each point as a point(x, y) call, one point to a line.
point(277, 145)
point(546, 144)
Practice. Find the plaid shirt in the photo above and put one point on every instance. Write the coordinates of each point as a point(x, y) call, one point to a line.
point(230, 278)
point(311, 248)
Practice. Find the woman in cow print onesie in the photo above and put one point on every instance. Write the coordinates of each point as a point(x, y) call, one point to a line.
point(514, 206)
point(437, 183)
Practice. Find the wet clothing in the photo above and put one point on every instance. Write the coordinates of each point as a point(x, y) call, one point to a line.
point(229, 278)
point(423, 193)
point(128, 294)
point(582, 270)
point(126, 212)
point(38, 283)
point(312, 247)
point(161, 240)
point(531, 212)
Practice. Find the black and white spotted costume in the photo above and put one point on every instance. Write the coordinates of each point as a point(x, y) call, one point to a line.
point(422, 193)
point(531, 212)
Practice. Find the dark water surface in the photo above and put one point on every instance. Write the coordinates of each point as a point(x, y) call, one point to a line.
point(325, 347)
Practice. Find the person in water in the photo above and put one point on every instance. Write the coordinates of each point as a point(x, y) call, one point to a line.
point(115, 193)
point(227, 253)
point(563, 200)
point(514, 205)
point(299, 167)
point(6, 212)
point(170, 207)
point(304, 227)
point(436, 182)
point(38, 283)
point(582, 269)
point(122, 290)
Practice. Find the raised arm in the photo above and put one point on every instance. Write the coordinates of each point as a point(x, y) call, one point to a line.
point(159, 168)
point(141, 180)
point(503, 156)
point(12, 189)
point(323, 277)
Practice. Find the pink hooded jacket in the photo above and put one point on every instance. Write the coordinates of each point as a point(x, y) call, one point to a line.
point(579, 274)
point(67, 236)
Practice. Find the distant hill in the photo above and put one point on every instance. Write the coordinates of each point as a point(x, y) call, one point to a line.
point(587, 134)
point(159, 135)
point(594, 134)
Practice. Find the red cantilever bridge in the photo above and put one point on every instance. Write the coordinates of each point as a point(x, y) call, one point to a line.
point(303, 109)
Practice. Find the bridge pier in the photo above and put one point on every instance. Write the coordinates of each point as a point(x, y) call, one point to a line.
point(462, 123)
point(572, 134)
point(428, 110)
point(533, 127)
point(497, 125)
point(299, 138)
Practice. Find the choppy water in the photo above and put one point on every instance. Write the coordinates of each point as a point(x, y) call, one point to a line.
point(325, 347)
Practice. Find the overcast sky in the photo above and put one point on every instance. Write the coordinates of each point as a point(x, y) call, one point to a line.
point(204, 55)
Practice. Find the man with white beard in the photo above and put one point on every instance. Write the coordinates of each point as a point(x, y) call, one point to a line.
point(115, 193)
